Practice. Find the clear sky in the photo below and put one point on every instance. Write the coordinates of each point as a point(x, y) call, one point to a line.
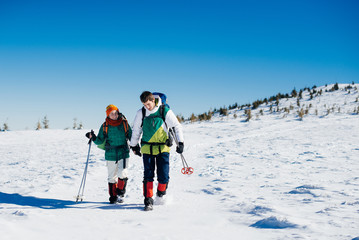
point(70, 59)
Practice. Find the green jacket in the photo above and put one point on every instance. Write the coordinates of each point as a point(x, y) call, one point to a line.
point(116, 147)
point(153, 132)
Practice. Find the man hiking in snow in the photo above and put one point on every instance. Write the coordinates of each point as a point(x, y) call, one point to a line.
point(112, 137)
point(153, 121)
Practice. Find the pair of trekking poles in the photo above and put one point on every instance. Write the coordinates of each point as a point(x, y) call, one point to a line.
point(80, 195)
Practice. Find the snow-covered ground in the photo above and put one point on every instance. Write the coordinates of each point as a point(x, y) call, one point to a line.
point(274, 177)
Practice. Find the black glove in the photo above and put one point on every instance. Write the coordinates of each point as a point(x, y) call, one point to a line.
point(180, 147)
point(137, 150)
point(93, 135)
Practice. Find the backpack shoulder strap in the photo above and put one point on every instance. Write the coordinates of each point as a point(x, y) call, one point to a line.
point(143, 115)
point(162, 113)
point(125, 124)
point(105, 129)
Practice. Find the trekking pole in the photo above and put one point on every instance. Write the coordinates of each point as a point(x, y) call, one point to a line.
point(186, 169)
point(83, 181)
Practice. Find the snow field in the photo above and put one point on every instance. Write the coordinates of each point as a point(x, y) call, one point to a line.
point(272, 178)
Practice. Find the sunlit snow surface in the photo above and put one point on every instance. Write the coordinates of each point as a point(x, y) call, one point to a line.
point(274, 177)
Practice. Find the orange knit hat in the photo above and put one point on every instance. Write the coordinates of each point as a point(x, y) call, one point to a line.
point(110, 108)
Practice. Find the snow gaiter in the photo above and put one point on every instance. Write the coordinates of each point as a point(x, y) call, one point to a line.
point(121, 186)
point(147, 189)
point(113, 192)
point(148, 193)
point(161, 189)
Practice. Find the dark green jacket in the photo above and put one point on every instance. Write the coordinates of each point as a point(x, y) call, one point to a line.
point(116, 147)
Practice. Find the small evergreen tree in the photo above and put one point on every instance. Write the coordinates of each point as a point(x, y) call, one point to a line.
point(75, 123)
point(209, 115)
point(193, 118)
point(301, 114)
point(45, 122)
point(256, 104)
point(180, 118)
point(294, 93)
point(38, 126)
point(336, 87)
point(248, 112)
point(278, 97)
point(223, 111)
point(300, 94)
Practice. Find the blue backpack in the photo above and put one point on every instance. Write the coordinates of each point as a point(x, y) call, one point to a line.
point(163, 98)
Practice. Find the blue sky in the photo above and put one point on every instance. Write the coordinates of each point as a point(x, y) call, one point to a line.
point(70, 59)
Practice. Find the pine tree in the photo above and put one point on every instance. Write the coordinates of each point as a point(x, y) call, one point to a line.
point(336, 87)
point(210, 114)
point(248, 112)
point(180, 118)
point(300, 94)
point(193, 118)
point(223, 111)
point(45, 122)
point(38, 126)
point(294, 93)
point(75, 124)
point(301, 113)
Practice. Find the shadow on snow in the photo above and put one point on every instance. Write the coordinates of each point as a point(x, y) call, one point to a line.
point(45, 203)
point(48, 203)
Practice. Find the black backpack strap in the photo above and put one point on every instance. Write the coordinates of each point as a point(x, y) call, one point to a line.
point(162, 114)
point(143, 115)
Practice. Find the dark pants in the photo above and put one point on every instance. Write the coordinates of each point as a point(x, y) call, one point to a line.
point(161, 161)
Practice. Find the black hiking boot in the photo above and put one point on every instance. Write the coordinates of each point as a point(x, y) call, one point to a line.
point(113, 199)
point(148, 204)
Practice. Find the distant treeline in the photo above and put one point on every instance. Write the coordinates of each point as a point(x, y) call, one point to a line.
point(275, 99)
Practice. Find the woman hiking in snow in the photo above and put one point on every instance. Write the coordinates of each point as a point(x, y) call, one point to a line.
point(153, 121)
point(112, 137)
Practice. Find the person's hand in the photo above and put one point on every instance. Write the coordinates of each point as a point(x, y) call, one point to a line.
point(180, 147)
point(137, 150)
point(91, 135)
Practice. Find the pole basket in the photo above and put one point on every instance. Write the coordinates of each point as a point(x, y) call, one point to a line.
point(186, 169)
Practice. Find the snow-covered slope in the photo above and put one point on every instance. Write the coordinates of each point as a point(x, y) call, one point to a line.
point(273, 177)
point(314, 102)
